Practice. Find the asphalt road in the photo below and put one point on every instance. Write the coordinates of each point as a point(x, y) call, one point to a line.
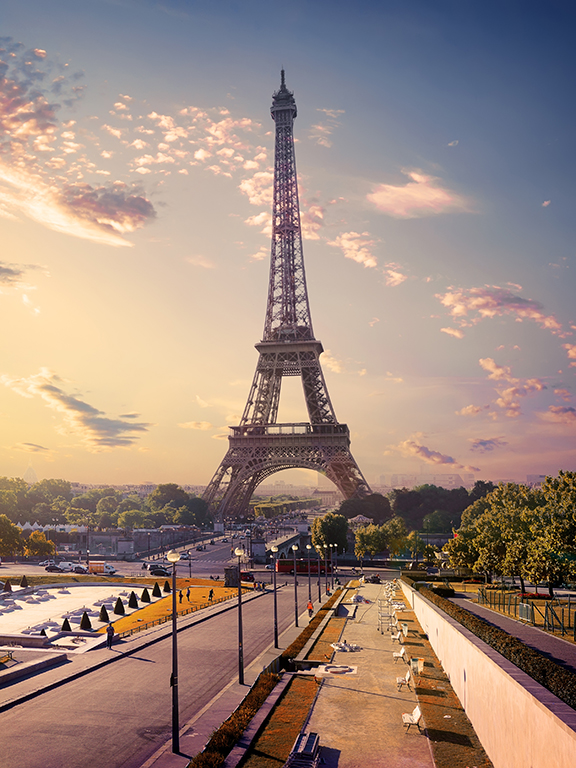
point(118, 716)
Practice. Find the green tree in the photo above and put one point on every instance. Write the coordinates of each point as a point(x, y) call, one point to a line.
point(415, 545)
point(10, 539)
point(133, 518)
point(165, 494)
point(394, 532)
point(330, 529)
point(9, 505)
point(48, 490)
point(369, 540)
point(36, 545)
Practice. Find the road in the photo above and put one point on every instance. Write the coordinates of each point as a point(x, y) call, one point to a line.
point(117, 716)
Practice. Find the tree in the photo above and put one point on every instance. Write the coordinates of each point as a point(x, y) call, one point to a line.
point(330, 529)
point(133, 518)
point(415, 545)
point(437, 522)
point(10, 539)
point(369, 539)
point(38, 546)
point(375, 506)
point(165, 494)
point(107, 505)
point(9, 505)
point(394, 532)
point(48, 490)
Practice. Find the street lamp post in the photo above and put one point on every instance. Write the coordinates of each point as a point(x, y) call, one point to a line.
point(309, 547)
point(274, 550)
point(239, 552)
point(326, 566)
point(319, 577)
point(88, 560)
point(173, 557)
point(332, 564)
point(294, 550)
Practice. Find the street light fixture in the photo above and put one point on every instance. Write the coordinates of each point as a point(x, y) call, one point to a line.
point(274, 550)
point(239, 552)
point(309, 547)
point(173, 558)
point(294, 550)
point(326, 566)
point(332, 564)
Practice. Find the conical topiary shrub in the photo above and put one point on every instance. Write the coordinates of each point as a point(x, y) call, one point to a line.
point(43, 632)
point(119, 607)
point(132, 601)
point(85, 622)
point(103, 614)
point(66, 626)
point(7, 586)
point(145, 596)
point(24, 582)
point(156, 591)
point(167, 586)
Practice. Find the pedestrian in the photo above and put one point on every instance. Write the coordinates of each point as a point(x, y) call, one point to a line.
point(188, 594)
point(180, 596)
point(109, 634)
point(310, 608)
point(210, 595)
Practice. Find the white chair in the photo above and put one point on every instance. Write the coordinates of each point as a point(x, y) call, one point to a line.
point(397, 637)
point(400, 681)
point(412, 718)
point(400, 655)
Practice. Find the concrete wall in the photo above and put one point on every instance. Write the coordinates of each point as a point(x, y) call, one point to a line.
point(520, 723)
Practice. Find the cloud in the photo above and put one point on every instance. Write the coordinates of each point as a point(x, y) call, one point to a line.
point(32, 448)
point(260, 255)
point(393, 276)
point(422, 196)
point(201, 425)
point(202, 403)
point(321, 131)
point(571, 349)
point(312, 219)
point(258, 188)
point(96, 430)
point(453, 143)
point(330, 362)
point(484, 446)
point(456, 332)
point(564, 394)
point(412, 449)
point(12, 275)
point(356, 246)
point(471, 306)
point(200, 261)
point(563, 414)
point(373, 322)
point(509, 396)
point(546, 203)
point(471, 410)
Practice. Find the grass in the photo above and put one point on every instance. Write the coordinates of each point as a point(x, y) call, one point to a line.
point(272, 747)
point(321, 650)
point(161, 609)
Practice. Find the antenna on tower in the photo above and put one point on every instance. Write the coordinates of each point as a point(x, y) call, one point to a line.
point(282, 82)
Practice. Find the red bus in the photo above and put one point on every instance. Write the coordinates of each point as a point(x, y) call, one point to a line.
point(287, 566)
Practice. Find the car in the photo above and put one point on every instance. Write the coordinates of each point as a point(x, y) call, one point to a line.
point(212, 541)
point(269, 567)
point(79, 569)
point(53, 568)
point(225, 541)
point(159, 570)
point(185, 556)
point(44, 563)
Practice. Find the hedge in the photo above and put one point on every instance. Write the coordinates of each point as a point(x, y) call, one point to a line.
point(558, 680)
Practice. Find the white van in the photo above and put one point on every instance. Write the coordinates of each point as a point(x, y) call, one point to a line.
point(66, 566)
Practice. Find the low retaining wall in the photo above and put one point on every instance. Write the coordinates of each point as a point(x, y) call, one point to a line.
point(518, 721)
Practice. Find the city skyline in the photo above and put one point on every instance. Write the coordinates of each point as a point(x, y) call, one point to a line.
point(434, 153)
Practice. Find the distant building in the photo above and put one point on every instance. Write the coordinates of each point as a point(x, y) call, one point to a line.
point(535, 481)
point(449, 481)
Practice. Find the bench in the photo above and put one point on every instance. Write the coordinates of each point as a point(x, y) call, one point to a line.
point(412, 718)
point(8, 656)
point(400, 655)
point(400, 681)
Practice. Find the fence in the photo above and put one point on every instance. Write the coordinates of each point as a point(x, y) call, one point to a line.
point(556, 616)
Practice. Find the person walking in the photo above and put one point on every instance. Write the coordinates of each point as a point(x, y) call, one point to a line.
point(210, 595)
point(180, 596)
point(109, 635)
point(310, 608)
point(188, 594)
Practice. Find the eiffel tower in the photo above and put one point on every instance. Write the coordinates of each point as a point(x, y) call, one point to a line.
point(260, 446)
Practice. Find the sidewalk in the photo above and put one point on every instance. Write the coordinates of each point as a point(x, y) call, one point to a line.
point(558, 650)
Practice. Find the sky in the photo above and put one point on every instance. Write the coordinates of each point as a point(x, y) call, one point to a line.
point(436, 164)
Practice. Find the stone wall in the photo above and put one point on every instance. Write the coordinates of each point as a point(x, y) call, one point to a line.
point(520, 723)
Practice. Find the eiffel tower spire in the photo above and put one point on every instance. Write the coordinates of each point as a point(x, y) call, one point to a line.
point(260, 446)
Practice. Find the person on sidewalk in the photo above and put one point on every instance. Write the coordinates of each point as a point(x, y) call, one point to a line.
point(180, 596)
point(210, 595)
point(310, 608)
point(109, 635)
point(188, 594)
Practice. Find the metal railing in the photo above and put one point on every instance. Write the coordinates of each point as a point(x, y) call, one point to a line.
point(557, 616)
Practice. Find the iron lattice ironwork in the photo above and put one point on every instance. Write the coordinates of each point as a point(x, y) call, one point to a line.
point(260, 446)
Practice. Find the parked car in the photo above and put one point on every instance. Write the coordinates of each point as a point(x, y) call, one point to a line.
point(185, 556)
point(159, 570)
point(44, 563)
point(79, 569)
point(225, 541)
point(212, 541)
point(53, 568)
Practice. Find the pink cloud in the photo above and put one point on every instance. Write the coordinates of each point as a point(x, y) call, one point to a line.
point(485, 445)
point(456, 332)
point(509, 396)
point(471, 306)
point(563, 414)
point(422, 196)
point(356, 246)
point(411, 448)
point(393, 276)
point(471, 410)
